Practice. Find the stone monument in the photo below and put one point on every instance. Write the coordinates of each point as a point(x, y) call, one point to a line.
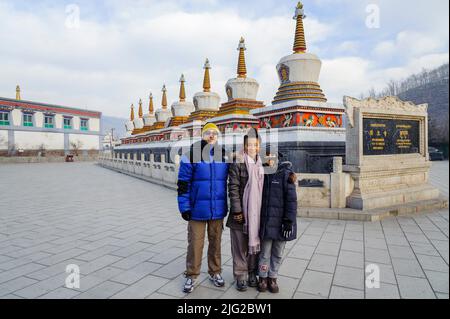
point(387, 152)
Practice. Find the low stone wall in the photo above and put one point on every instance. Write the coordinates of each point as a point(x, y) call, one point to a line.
point(332, 194)
point(320, 196)
point(46, 159)
point(158, 172)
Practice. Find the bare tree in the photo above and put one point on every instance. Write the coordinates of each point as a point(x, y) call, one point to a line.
point(423, 78)
point(76, 147)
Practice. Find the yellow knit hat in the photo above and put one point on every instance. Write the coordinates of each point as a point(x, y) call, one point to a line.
point(210, 126)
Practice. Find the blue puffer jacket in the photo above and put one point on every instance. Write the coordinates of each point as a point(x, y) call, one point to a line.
point(202, 184)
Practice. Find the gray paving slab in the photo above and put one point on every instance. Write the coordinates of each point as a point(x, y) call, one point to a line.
point(415, 288)
point(315, 283)
point(345, 293)
point(385, 291)
point(323, 263)
point(349, 277)
point(137, 248)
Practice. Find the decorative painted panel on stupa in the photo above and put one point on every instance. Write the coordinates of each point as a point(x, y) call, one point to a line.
point(308, 119)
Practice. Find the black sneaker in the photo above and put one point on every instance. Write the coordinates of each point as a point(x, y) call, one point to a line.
point(252, 280)
point(189, 285)
point(241, 285)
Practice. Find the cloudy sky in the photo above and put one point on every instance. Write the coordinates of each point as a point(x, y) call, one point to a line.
point(118, 51)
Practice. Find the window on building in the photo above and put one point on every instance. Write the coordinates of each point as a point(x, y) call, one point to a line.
point(4, 118)
point(67, 123)
point(49, 121)
point(84, 125)
point(27, 119)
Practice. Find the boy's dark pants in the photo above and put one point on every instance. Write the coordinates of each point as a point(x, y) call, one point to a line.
point(243, 263)
point(196, 240)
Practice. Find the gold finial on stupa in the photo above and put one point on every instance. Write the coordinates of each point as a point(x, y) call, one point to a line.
point(132, 113)
point(299, 42)
point(182, 89)
point(140, 113)
point(150, 104)
point(17, 92)
point(164, 98)
point(206, 79)
point(241, 68)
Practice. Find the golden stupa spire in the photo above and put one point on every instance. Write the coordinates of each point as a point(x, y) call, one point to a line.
point(182, 89)
point(140, 113)
point(206, 79)
point(150, 104)
point(241, 68)
point(132, 113)
point(164, 98)
point(17, 92)
point(299, 42)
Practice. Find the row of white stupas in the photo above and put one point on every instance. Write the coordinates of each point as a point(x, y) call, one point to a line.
point(299, 101)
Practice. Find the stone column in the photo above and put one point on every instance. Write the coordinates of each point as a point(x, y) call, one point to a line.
point(152, 162)
point(337, 184)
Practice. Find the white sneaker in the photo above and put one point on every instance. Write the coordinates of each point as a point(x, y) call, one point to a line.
point(188, 285)
point(217, 280)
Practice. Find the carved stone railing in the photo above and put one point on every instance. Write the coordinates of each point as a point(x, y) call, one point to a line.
point(157, 172)
point(313, 190)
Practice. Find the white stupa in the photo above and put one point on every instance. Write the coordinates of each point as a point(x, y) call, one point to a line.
point(163, 114)
point(206, 100)
point(182, 108)
point(242, 87)
point(139, 121)
point(233, 115)
point(149, 118)
point(129, 125)
point(299, 72)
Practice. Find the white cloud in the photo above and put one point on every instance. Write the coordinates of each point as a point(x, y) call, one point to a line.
point(355, 75)
point(124, 51)
point(413, 43)
point(345, 76)
point(348, 47)
point(385, 48)
point(108, 65)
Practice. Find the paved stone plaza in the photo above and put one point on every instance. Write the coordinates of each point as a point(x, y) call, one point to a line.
point(129, 241)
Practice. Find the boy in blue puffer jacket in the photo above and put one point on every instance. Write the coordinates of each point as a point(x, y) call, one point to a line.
point(202, 201)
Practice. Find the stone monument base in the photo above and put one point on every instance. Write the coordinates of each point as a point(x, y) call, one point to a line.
point(390, 180)
point(392, 197)
point(370, 215)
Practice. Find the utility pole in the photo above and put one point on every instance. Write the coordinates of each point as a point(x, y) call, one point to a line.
point(111, 142)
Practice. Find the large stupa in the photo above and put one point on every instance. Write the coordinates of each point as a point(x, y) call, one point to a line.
point(307, 128)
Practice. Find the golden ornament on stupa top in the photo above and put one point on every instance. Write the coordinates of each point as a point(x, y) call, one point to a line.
point(18, 92)
point(164, 98)
point(241, 68)
point(206, 78)
point(150, 104)
point(299, 41)
point(182, 89)
point(140, 112)
point(132, 113)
